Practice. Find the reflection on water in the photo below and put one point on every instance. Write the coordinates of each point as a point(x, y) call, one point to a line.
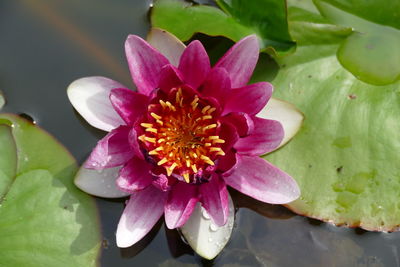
point(45, 45)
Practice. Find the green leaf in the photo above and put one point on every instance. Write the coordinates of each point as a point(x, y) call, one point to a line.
point(372, 52)
point(8, 163)
point(44, 219)
point(266, 18)
point(345, 156)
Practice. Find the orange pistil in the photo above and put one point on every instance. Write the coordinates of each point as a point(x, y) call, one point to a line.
point(181, 136)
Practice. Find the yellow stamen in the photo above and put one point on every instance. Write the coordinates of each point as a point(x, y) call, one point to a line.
point(171, 107)
point(155, 116)
point(146, 125)
point(194, 168)
point(161, 140)
point(204, 110)
point(188, 163)
point(186, 177)
point(207, 160)
point(194, 102)
point(163, 104)
point(213, 137)
point(153, 152)
point(220, 153)
point(215, 149)
point(161, 162)
point(153, 130)
point(219, 141)
point(149, 139)
point(208, 127)
point(207, 144)
point(207, 117)
point(211, 110)
point(178, 96)
point(160, 122)
point(171, 168)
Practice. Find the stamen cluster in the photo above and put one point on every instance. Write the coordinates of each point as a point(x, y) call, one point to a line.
point(182, 136)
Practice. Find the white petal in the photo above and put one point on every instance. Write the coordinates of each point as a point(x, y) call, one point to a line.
point(2, 100)
point(204, 236)
point(90, 97)
point(170, 46)
point(99, 183)
point(141, 213)
point(286, 113)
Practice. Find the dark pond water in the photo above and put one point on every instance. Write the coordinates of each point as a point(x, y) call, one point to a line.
point(45, 45)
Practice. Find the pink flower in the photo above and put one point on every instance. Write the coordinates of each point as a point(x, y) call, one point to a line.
point(189, 131)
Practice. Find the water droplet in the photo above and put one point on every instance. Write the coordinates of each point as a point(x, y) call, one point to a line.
point(213, 227)
point(206, 215)
point(210, 239)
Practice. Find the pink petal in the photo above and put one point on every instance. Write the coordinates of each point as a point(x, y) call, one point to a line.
point(249, 99)
point(142, 212)
point(181, 201)
point(266, 137)
point(133, 142)
point(111, 151)
point(214, 198)
point(134, 176)
point(194, 64)
point(259, 179)
point(144, 62)
point(226, 162)
point(170, 46)
point(241, 60)
point(129, 105)
point(217, 84)
point(243, 123)
point(227, 132)
point(89, 96)
point(170, 77)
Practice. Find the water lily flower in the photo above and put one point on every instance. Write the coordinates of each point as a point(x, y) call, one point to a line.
point(189, 131)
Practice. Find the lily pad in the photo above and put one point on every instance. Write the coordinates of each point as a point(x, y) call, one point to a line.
point(372, 52)
point(266, 18)
point(345, 155)
point(44, 219)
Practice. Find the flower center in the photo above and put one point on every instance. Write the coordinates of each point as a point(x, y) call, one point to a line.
point(182, 136)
